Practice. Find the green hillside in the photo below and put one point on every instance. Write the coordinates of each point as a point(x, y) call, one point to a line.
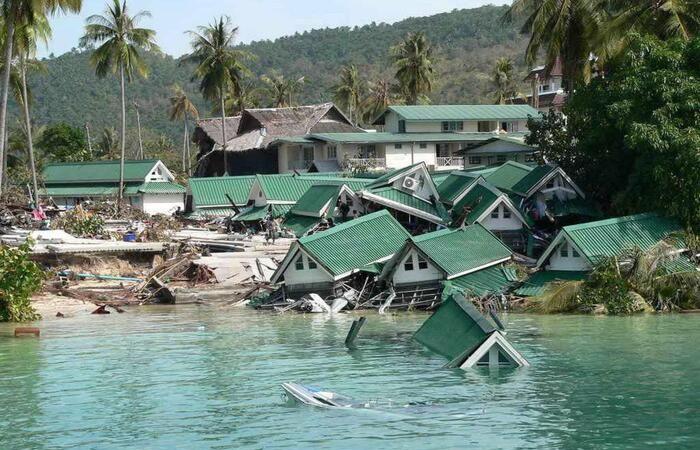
point(467, 42)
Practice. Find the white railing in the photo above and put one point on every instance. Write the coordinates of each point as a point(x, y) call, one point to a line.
point(450, 161)
point(299, 165)
point(367, 162)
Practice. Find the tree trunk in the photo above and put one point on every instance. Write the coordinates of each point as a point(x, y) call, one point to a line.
point(87, 132)
point(138, 123)
point(9, 36)
point(120, 198)
point(184, 148)
point(223, 131)
point(28, 122)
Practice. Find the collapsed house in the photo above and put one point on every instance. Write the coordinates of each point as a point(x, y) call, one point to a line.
point(322, 206)
point(459, 332)
point(252, 143)
point(219, 196)
point(469, 259)
point(578, 248)
point(148, 184)
point(319, 262)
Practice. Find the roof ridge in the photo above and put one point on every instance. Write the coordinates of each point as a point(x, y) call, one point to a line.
point(106, 161)
point(614, 220)
point(345, 225)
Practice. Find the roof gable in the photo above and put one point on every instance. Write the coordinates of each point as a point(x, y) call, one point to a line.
point(98, 171)
point(464, 250)
point(454, 185)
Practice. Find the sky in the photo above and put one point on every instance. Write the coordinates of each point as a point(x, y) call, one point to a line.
point(256, 19)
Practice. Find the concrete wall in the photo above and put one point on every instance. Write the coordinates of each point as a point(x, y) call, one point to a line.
point(163, 203)
point(502, 223)
point(417, 275)
point(568, 262)
point(294, 277)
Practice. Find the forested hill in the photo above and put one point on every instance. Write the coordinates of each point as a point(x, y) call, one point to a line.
point(467, 43)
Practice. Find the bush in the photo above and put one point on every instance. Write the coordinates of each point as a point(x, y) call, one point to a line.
point(20, 278)
point(79, 223)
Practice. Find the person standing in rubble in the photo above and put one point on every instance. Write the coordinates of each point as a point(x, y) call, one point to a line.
point(271, 229)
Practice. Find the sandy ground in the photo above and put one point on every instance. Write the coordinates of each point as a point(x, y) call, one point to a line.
point(49, 304)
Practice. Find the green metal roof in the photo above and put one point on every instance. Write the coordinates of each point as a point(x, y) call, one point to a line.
point(354, 244)
point(259, 212)
point(611, 237)
point(464, 112)
point(478, 200)
point(439, 176)
point(537, 283)
point(80, 190)
point(300, 224)
point(456, 183)
point(492, 280)
point(508, 175)
point(405, 138)
point(97, 171)
point(316, 198)
point(461, 250)
point(290, 188)
point(394, 195)
point(156, 188)
point(384, 179)
point(456, 329)
point(574, 207)
point(532, 179)
point(212, 191)
point(204, 213)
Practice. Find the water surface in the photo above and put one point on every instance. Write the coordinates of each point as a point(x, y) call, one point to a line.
point(200, 377)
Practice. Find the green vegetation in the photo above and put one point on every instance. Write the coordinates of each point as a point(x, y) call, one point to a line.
point(349, 91)
point(182, 108)
point(79, 223)
point(415, 72)
point(632, 138)
point(20, 278)
point(61, 142)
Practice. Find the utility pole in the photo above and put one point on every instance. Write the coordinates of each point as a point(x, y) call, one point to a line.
point(87, 133)
point(138, 123)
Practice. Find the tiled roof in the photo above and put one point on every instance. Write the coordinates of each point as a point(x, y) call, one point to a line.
point(508, 175)
point(492, 280)
point(455, 184)
point(212, 191)
point(352, 245)
point(611, 237)
point(97, 171)
point(464, 112)
point(462, 250)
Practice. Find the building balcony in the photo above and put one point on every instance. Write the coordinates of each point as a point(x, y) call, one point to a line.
point(450, 161)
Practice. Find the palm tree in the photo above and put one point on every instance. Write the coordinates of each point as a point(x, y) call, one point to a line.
point(503, 81)
point(219, 66)
point(109, 143)
point(563, 28)
point(247, 95)
point(16, 13)
point(381, 95)
point(27, 37)
point(120, 40)
point(281, 90)
point(348, 92)
point(414, 67)
point(181, 107)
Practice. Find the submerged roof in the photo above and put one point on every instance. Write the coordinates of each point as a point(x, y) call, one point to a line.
point(97, 171)
point(493, 280)
point(463, 250)
point(214, 191)
point(463, 112)
point(538, 282)
point(354, 244)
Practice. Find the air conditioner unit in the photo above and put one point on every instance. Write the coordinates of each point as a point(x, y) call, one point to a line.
point(410, 183)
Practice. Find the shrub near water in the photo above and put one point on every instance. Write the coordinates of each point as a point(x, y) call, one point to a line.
point(20, 278)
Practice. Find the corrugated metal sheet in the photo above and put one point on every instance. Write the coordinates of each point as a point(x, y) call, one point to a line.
point(157, 188)
point(203, 213)
point(464, 112)
point(508, 175)
point(315, 198)
point(212, 191)
point(490, 281)
point(300, 224)
point(97, 171)
point(259, 213)
point(478, 200)
point(397, 196)
point(611, 237)
point(531, 179)
point(537, 283)
point(354, 244)
point(288, 188)
point(406, 138)
point(460, 250)
point(455, 184)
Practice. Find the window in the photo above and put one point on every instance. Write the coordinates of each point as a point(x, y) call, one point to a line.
point(398, 146)
point(574, 253)
point(442, 150)
point(331, 152)
point(506, 213)
point(452, 126)
point(408, 264)
point(312, 264)
point(564, 251)
point(423, 145)
point(308, 153)
point(475, 160)
point(494, 213)
point(402, 126)
point(299, 264)
point(550, 184)
point(484, 126)
point(422, 263)
point(501, 158)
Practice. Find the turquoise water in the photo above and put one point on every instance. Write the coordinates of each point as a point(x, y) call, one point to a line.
point(208, 377)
